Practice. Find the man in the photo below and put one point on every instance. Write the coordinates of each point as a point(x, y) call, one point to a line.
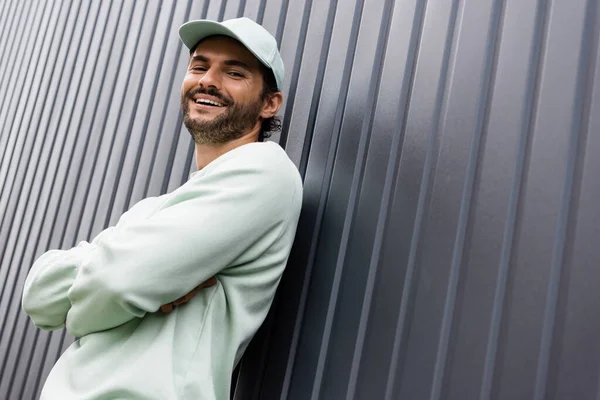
point(235, 219)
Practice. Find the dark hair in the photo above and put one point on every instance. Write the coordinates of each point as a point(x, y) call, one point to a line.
point(269, 125)
point(272, 124)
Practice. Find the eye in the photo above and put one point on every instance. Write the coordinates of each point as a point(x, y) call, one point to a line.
point(198, 68)
point(235, 74)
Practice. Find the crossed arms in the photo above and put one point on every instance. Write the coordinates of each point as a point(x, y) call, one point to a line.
point(161, 249)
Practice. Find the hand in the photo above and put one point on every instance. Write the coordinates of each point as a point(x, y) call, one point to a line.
point(167, 308)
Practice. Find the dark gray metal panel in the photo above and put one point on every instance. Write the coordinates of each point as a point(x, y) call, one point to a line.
point(444, 249)
point(540, 239)
point(447, 248)
point(494, 204)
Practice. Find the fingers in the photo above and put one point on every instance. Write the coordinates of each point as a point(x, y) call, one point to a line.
point(208, 283)
point(166, 308)
point(185, 298)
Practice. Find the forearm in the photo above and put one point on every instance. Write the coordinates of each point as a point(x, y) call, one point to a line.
point(135, 272)
point(45, 293)
point(45, 297)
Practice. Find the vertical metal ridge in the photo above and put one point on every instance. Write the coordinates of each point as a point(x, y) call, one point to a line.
point(7, 268)
point(261, 11)
point(188, 161)
point(457, 18)
point(118, 119)
point(22, 338)
point(241, 8)
point(382, 43)
point(4, 269)
point(39, 376)
point(394, 164)
point(467, 198)
point(70, 119)
point(316, 229)
point(315, 100)
point(29, 362)
point(60, 151)
point(222, 10)
point(172, 153)
point(7, 7)
point(409, 291)
point(358, 172)
point(179, 123)
point(87, 138)
point(3, 13)
point(79, 123)
point(129, 129)
point(13, 80)
point(17, 233)
point(24, 269)
point(104, 121)
point(592, 39)
point(17, 132)
point(10, 16)
point(341, 105)
point(579, 132)
point(15, 39)
point(281, 21)
point(8, 55)
point(295, 73)
point(138, 155)
point(17, 271)
point(515, 207)
point(205, 9)
point(163, 117)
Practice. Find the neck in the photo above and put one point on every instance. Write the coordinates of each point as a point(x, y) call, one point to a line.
point(206, 153)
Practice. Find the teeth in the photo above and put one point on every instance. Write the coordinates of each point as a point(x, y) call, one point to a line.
point(205, 101)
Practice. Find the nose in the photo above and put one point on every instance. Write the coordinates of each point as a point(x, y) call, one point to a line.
point(210, 78)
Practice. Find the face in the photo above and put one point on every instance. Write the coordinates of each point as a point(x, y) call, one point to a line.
point(221, 94)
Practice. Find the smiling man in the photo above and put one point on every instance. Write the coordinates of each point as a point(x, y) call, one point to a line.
point(123, 293)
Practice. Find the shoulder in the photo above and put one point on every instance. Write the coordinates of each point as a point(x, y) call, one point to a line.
point(266, 164)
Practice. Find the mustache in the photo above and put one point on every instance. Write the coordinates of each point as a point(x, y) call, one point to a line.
point(210, 92)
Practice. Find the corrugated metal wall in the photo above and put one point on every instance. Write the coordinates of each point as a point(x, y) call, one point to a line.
point(448, 247)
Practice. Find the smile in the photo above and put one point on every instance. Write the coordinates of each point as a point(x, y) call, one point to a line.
point(208, 102)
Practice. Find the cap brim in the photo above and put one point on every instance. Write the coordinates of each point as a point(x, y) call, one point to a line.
point(194, 31)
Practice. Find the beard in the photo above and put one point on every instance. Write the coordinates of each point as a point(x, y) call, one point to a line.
point(232, 124)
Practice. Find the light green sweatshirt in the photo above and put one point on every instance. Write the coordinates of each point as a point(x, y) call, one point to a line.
point(236, 219)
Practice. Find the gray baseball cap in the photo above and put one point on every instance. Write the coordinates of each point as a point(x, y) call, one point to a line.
point(253, 36)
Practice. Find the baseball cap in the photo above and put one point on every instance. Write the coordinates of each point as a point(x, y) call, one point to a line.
point(253, 36)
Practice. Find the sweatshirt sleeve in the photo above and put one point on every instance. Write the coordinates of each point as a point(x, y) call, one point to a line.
point(45, 291)
point(204, 227)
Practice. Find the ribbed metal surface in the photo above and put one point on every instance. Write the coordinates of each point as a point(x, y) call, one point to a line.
point(448, 246)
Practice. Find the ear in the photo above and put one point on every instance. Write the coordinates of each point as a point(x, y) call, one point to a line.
point(271, 105)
